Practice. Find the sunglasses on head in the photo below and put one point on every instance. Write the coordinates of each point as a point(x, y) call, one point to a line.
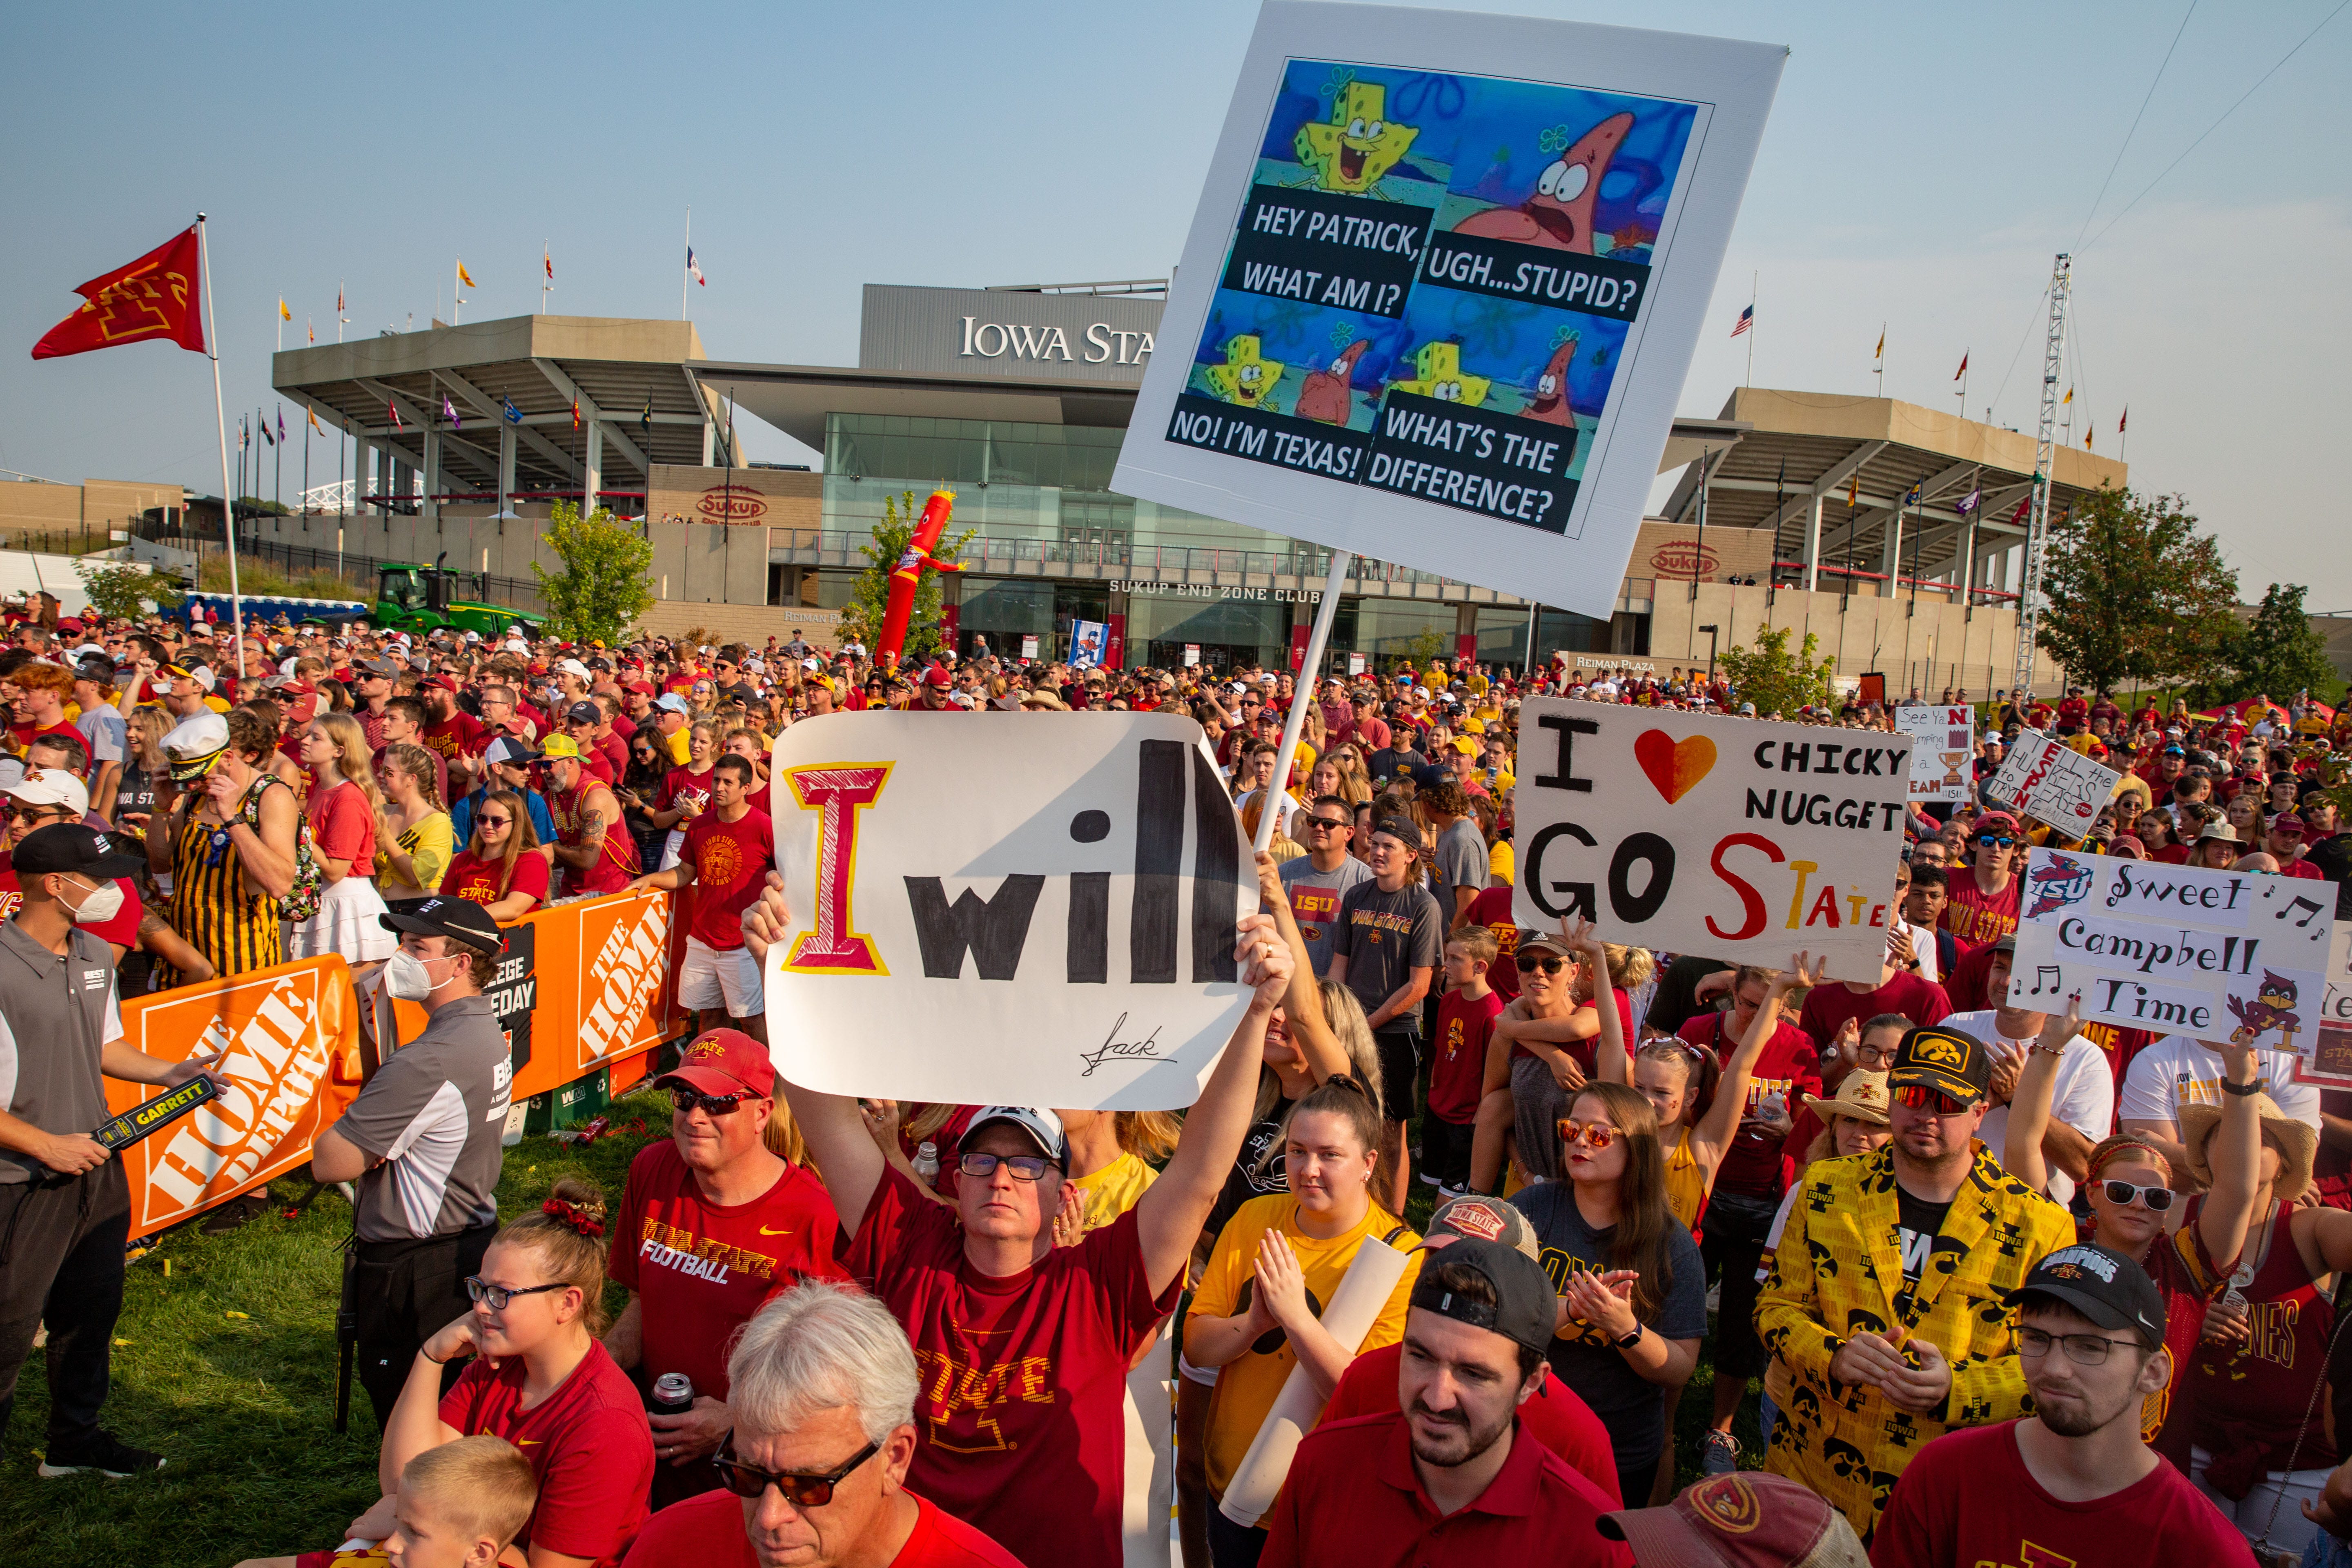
point(1919, 1096)
point(1596, 1135)
point(686, 1100)
point(800, 1490)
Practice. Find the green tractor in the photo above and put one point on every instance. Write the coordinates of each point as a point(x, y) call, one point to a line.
point(422, 599)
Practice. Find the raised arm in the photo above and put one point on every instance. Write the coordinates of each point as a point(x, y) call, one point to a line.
point(1610, 1060)
point(2028, 1102)
point(2235, 1158)
point(831, 1124)
point(1715, 1132)
point(1302, 1005)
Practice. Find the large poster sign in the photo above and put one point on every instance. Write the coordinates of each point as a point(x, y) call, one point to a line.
point(1443, 286)
point(1943, 742)
point(289, 1038)
point(1698, 833)
point(2328, 1059)
point(2217, 954)
point(1032, 909)
point(2054, 784)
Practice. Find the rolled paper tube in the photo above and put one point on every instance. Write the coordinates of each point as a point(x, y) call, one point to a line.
point(1355, 1307)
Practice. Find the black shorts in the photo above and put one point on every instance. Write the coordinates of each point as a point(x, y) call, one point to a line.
point(1445, 1149)
point(1400, 1051)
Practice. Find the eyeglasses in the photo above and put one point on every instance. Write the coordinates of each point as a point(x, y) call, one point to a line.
point(488, 821)
point(1024, 1167)
point(713, 1104)
point(1596, 1135)
point(800, 1490)
point(1551, 966)
point(2082, 1349)
point(1994, 841)
point(1919, 1096)
point(497, 1296)
point(2158, 1199)
point(1867, 1056)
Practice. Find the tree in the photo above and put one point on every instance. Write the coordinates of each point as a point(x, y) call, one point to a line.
point(119, 590)
point(1418, 651)
point(2276, 654)
point(1778, 681)
point(869, 601)
point(604, 586)
point(2136, 593)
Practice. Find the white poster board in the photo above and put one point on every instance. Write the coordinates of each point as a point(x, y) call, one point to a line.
point(1355, 663)
point(1024, 908)
point(1028, 649)
point(1191, 655)
point(1697, 833)
point(2053, 783)
point(1443, 286)
point(2327, 1059)
point(1089, 641)
point(2217, 954)
point(1944, 744)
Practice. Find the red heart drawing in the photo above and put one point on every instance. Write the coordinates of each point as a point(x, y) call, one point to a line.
point(1674, 766)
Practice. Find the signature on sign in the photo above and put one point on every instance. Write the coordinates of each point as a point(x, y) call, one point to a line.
point(1116, 1049)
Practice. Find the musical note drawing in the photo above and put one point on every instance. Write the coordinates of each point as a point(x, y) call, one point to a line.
point(2309, 906)
point(2045, 978)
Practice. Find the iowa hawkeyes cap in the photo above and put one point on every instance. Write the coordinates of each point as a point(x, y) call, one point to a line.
point(1932, 1057)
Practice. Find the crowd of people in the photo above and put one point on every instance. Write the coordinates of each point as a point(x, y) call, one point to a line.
point(1988, 1282)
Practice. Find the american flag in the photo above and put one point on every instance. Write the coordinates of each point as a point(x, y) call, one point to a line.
point(1746, 319)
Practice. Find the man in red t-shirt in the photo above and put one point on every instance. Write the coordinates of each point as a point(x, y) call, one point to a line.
point(710, 1226)
point(730, 850)
point(2073, 1482)
point(1981, 900)
point(1492, 908)
point(1451, 1479)
point(38, 694)
point(1025, 1345)
point(1827, 1007)
point(822, 1369)
point(44, 798)
point(451, 733)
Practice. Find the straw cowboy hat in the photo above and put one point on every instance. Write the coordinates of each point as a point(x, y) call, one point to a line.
point(2295, 1142)
point(1863, 1096)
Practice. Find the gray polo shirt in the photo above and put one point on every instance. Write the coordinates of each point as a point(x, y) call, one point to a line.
point(56, 1015)
point(434, 1114)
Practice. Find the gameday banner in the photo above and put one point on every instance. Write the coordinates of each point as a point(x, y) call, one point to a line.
point(2217, 954)
point(1944, 742)
point(289, 1039)
point(1035, 909)
point(1704, 834)
point(1443, 286)
point(582, 987)
point(2054, 783)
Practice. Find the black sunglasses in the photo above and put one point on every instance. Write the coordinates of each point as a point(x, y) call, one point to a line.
point(1551, 966)
point(1327, 824)
point(800, 1490)
point(686, 1099)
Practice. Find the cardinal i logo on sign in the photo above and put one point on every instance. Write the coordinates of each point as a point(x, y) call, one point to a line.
point(1699, 834)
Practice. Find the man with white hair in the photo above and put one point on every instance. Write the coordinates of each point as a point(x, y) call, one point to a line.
point(822, 1389)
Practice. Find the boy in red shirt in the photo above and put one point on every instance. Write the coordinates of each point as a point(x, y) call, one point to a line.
point(730, 850)
point(1981, 899)
point(1465, 1016)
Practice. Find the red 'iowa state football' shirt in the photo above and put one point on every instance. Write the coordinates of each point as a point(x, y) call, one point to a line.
point(703, 1270)
point(1021, 1414)
point(731, 861)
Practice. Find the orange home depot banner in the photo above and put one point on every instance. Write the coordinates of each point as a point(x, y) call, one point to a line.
point(289, 1044)
point(582, 987)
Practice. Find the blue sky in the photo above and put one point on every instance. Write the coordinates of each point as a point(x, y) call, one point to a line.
point(1920, 167)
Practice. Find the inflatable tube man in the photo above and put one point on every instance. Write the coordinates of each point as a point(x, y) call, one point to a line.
point(909, 575)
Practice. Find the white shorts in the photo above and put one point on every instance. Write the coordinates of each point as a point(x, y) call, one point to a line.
point(710, 978)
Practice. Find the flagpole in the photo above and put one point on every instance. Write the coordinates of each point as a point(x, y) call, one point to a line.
point(339, 322)
point(1751, 326)
point(220, 426)
point(278, 482)
point(684, 276)
point(1269, 810)
point(546, 269)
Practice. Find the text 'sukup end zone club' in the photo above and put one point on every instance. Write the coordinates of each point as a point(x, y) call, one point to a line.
point(1443, 285)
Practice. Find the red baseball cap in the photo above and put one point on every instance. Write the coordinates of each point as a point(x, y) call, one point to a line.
point(723, 1061)
point(937, 676)
point(442, 681)
point(1749, 1518)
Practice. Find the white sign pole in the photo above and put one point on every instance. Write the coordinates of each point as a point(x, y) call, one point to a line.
point(1301, 695)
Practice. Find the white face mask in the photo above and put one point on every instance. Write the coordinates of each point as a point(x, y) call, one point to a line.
point(102, 905)
point(406, 976)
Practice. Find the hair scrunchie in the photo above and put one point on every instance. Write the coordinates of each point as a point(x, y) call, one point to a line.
point(575, 1215)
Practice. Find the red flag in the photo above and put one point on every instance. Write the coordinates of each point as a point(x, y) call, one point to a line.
point(154, 297)
point(2122, 423)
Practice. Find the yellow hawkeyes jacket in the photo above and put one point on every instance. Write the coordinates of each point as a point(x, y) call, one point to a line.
point(1839, 1272)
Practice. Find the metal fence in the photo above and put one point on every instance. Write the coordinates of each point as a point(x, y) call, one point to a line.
point(512, 591)
point(1303, 561)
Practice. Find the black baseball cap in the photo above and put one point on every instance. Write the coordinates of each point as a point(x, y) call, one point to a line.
point(2111, 1290)
point(1403, 832)
point(1431, 775)
point(584, 713)
point(70, 848)
point(1931, 1057)
point(1525, 1308)
point(459, 920)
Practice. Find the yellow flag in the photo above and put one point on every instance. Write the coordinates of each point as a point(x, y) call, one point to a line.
point(283, 314)
point(1880, 352)
point(2068, 398)
point(313, 413)
point(2086, 440)
point(464, 276)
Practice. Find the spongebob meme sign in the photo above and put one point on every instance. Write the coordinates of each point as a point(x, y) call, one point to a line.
point(1434, 284)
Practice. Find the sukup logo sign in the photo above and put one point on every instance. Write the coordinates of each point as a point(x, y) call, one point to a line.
point(627, 941)
point(1683, 558)
point(731, 503)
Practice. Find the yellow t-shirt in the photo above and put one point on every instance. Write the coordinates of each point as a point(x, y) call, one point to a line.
point(428, 847)
point(1501, 863)
point(1113, 1190)
point(1246, 1386)
point(681, 746)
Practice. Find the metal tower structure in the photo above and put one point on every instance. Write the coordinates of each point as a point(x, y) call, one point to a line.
point(2029, 597)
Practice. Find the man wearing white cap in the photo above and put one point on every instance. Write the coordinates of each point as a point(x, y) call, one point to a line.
point(42, 798)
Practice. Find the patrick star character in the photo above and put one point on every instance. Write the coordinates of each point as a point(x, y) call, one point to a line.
point(1354, 150)
point(1550, 402)
point(1560, 213)
point(1244, 378)
point(1324, 395)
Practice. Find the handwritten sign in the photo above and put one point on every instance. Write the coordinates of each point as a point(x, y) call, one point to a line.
point(2233, 955)
point(1942, 744)
point(2054, 784)
point(1699, 834)
point(1029, 908)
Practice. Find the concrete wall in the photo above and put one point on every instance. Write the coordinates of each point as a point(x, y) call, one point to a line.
point(63, 511)
point(742, 623)
point(1942, 644)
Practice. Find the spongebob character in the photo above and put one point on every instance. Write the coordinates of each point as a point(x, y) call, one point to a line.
point(1437, 372)
point(1356, 148)
point(1244, 378)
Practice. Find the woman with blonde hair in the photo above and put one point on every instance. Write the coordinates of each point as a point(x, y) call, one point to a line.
point(343, 810)
point(144, 767)
point(500, 867)
point(414, 836)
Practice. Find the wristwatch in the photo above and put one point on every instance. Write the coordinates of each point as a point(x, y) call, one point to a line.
point(1629, 1341)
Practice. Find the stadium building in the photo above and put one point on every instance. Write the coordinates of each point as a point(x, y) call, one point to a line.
point(1889, 531)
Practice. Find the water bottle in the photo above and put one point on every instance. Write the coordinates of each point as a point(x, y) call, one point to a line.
point(927, 1160)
